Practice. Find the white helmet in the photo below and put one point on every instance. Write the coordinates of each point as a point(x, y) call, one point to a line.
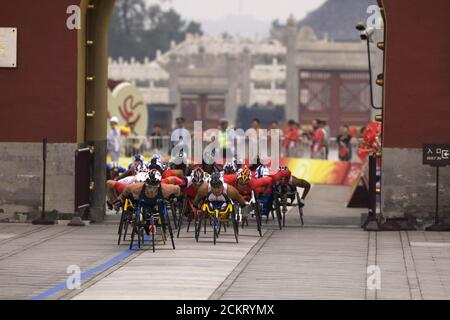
point(261, 172)
point(154, 178)
point(142, 177)
point(141, 168)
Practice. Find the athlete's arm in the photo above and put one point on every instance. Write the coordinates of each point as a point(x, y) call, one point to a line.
point(169, 190)
point(174, 181)
point(280, 175)
point(230, 179)
point(132, 189)
point(235, 195)
point(201, 194)
point(173, 173)
point(302, 184)
point(127, 173)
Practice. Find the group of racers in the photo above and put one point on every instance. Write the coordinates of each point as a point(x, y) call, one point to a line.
point(151, 181)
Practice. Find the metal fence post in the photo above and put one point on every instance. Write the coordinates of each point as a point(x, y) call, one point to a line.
point(43, 220)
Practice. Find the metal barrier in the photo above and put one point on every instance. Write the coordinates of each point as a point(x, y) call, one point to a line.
point(162, 145)
point(372, 222)
point(82, 179)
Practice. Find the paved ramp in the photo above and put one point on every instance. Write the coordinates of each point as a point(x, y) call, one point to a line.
point(317, 261)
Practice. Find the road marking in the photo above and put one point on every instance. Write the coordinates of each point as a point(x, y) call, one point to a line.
point(90, 272)
point(429, 244)
point(231, 278)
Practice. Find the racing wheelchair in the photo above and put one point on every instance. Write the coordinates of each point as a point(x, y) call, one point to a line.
point(219, 215)
point(126, 219)
point(148, 221)
point(257, 210)
point(284, 197)
point(187, 210)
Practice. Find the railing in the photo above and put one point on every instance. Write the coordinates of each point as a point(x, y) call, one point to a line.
point(148, 145)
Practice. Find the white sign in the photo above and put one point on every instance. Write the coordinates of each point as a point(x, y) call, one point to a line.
point(8, 47)
point(127, 103)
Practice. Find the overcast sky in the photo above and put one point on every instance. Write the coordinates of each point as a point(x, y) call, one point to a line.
point(243, 17)
point(266, 10)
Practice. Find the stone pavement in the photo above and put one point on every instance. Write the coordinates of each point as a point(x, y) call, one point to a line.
point(326, 259)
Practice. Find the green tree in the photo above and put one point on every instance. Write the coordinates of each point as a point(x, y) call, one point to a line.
point(138, 30)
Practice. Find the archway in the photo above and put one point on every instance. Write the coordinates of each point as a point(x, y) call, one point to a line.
point(92, 92)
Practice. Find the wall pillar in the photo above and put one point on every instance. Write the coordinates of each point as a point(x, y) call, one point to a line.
point(292, 77)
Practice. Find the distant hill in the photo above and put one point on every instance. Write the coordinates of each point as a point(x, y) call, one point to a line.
point(338, 18)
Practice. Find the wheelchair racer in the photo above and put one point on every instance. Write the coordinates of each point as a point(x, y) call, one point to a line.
point(218, 193)
point(150, 191)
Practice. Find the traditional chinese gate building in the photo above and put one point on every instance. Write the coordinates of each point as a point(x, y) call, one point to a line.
point(326, 80)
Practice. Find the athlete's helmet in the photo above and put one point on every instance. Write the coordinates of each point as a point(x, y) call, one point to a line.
point(198, 176)
point(142, 177)
point(209, 158)
point(141, 168)
point(138, 157)
point(261, 171)
point(179, 161)
point(238, 163)
point(244, 175)
point(156, 163)
point(154, 178)
point(229, 168)
point(216, 180)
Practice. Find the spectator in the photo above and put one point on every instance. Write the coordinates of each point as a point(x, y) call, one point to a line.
point(156, 139)
point(291, 139)
point(344, 146)
point(256, 124)
point(181, 134)
point(327, 132)
point(113, 144)
point(226, 139)
point(253, 146)
point(134, 141)
point(317, 140)
point(275, 126)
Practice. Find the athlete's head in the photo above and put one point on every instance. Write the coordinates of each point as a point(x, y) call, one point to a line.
point(179, 161)
point(284, 180)
point(229, 168)
point(209, 159)
point(198, 176)
point(238, 162)
point(216, 184)
point(261, 172)
point(141, 167)
point(156, 163)
point(138, 159)
point(243, 176)
point(153, 181)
